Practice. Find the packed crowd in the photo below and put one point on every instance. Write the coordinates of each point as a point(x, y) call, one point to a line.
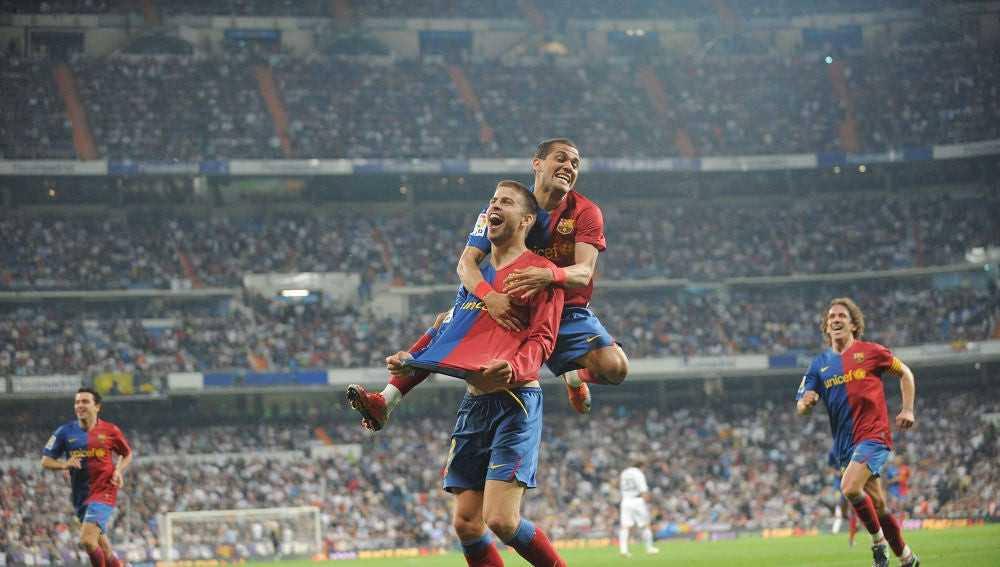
point(176, 108)
point(627, 9)
point(187, 108)
point(34, 124)
point(737, 464)
point(652, 323)
point(704, 242)
point(706, 245)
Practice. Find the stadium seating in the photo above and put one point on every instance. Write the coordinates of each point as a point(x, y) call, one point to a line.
point(733, 461)
point(739, 464)
point(764, 104)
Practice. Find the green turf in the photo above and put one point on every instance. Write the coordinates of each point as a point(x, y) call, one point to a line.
point(957, 547)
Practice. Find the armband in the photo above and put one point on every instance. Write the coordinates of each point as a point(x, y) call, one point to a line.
point(482, 288)
point(558, 276)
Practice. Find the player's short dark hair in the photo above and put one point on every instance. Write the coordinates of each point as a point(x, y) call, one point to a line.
point(857, 318)
point(544, 147)
point(91, 391)
point(529, 204)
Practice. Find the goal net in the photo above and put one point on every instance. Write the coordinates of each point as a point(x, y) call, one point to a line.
point(237, 535)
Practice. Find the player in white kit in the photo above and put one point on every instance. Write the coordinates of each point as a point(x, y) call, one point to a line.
point(635, 507)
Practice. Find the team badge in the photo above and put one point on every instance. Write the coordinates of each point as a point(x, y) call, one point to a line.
point(859, 357)
point(565, 226)
point(480, 228)
point(102, 438)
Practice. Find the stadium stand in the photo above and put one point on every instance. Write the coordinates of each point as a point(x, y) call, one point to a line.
point(95, 270)
point(896, 97)
point(746, 449)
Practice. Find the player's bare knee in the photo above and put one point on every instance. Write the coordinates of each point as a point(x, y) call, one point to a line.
point(89, 543)
point(852, 494)
point(503, 526)
point(466, 528)
point(617, 372)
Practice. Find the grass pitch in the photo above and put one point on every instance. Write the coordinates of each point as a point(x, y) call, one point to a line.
point(977, 546)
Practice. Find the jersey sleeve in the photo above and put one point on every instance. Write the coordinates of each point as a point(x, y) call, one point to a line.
point(120, 445)
point(477, 237)
point(590, 227)
point(811, 381)
point(885, 362)
point(546, 311)
point(56, 445)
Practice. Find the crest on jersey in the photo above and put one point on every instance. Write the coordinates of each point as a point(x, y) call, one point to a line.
point(565, 226)
point(480, 228)
point(859, 357)
point(102, 438)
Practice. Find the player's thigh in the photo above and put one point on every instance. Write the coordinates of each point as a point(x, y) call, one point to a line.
point(855, 477)
point(90, 534)
point(468, 512)
point(609, 361)
point(502, 502)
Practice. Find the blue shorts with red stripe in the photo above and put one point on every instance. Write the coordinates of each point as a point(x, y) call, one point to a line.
point(95, 513)
point(496, 437)
point(870, 453)
point(580, 331)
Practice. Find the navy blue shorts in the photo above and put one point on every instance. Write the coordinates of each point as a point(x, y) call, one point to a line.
point(580, 331)
point(872, 454)
point(95, 513)
point(496, 437)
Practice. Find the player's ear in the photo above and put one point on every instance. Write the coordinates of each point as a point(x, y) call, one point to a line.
point(536, 164)
point(528, 220)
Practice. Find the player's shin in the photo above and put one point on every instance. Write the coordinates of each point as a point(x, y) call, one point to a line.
point(531, 543)
point(482, 552)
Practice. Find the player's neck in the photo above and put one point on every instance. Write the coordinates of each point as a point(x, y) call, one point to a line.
point(507, 253)
point(548, 198)
point(86, 424)
point(840, 347)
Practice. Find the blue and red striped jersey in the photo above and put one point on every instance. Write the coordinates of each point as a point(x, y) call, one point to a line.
point(850, 384)
point(554, 237)
point(96, 447)
point(469, 338)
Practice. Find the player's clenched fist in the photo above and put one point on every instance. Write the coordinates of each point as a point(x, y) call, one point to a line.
point(807, 401)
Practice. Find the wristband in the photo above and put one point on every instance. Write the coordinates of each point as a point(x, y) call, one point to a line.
point(558, 276)
point(482, 288)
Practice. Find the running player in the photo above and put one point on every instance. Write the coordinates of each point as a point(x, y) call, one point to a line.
point(90, 445)
point(848, 378)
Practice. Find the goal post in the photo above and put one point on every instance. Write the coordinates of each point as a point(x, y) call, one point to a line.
point(242, 534)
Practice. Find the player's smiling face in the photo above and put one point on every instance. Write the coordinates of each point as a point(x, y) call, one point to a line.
point(86, 409)
point(504, 214)
point(839, 325)
point(560, 168)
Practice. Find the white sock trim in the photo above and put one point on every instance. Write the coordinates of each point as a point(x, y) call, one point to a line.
point(573, 378)
point(392, 397)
